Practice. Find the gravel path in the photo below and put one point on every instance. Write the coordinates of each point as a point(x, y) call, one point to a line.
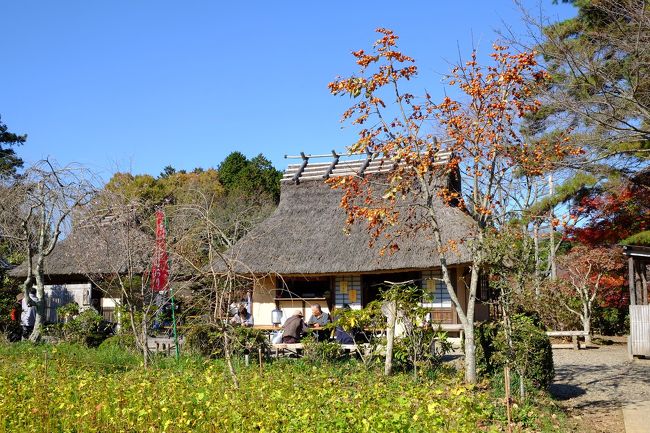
point(595, 384)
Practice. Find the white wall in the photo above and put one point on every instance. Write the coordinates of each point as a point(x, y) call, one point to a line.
point(57, 295)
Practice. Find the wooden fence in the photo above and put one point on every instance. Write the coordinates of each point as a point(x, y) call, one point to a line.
point(639, 342)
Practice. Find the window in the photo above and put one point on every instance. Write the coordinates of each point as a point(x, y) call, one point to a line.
point(484, 293)
point(436, 294)
point(348, 291)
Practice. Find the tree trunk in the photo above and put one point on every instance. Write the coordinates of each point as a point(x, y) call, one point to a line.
point(551, 252)
point(390, 311)
point(145, 345)
point(39, 319)
point(228, 356)
point(466, 317)
point(586, 327)
point(470, 353)
point(537, 266)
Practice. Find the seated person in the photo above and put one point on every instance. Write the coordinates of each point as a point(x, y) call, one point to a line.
point(319, 319)
point(341, 335)
point(243, 317)
point(293, 328)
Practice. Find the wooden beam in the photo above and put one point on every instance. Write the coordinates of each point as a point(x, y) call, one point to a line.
point(305, 161)
point(330, 169)
point(643, 268)
point(366, 163)
point(638, 285)
point(631, 282)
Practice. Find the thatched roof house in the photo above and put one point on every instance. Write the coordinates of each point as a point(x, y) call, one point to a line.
point(302, 254)
point(95, 250)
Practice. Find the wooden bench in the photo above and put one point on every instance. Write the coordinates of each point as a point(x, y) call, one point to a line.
point(293, 348)
point(296, 348)
point(575, 344)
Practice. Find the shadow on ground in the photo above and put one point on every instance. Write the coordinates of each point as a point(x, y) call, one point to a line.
point(561, 391)
point(600, 379)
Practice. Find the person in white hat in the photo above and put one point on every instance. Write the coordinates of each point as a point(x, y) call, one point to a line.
point(28, 315)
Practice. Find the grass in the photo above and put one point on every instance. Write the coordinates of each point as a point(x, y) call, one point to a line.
point(68, 388)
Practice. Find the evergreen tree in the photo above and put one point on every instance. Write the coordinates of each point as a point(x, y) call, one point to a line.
point(9, 161)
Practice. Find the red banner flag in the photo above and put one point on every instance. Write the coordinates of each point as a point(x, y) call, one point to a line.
point(160, 266)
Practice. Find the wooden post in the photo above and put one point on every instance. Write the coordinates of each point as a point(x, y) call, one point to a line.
point(390, 311)
point(259, 357)
point(330, 169)
point(638, 283)
point(630, 278)
point(644, 282)
point(576, 344)
point(365, 164)
point(506, 378)
point(305, 161)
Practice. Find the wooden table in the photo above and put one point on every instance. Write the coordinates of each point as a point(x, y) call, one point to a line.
point(267, 327)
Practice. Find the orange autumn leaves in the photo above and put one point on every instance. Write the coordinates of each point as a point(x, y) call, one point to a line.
point(485, 129)
point(481, 128)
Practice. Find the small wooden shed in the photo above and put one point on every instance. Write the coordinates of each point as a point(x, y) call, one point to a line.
point(638, 268)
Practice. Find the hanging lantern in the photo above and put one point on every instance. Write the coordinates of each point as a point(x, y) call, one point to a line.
point(276, 316)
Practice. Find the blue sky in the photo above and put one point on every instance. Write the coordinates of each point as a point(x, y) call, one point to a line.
point(137, 85)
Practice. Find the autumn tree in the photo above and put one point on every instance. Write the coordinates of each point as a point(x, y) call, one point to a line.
point(616, 212)
point(496, 162)
point(586, 271)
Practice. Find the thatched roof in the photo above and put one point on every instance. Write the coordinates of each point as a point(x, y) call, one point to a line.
point(305, 235)
point(106, 248)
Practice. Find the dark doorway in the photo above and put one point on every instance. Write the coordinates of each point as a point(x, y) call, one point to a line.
point(373, 284)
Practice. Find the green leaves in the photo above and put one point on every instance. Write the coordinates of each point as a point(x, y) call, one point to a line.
point(290, 396)
point(9, 161)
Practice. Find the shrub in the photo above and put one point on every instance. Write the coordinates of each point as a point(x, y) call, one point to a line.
point(86, 328)
point(10, 328)
point(246, 340)
point(319, 352)
point(531, 353)
point(207, 340)
point(67, 311)
point(121, 341)
point(611, 320)
point(548, 306)
point(421, 349)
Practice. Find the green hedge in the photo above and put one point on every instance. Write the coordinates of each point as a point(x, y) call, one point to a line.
point(531, 350)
